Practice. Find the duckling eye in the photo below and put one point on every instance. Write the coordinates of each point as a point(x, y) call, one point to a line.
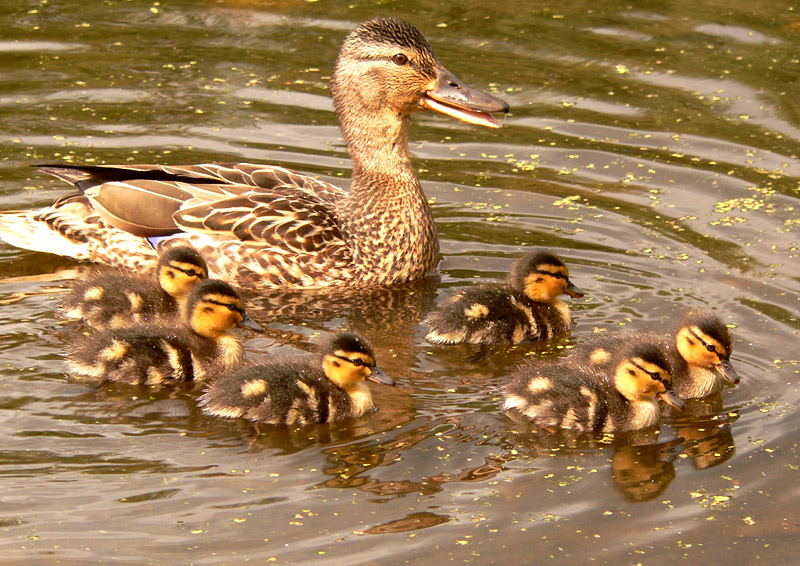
point(399, 59)
point(357, 362)
point(711, 348)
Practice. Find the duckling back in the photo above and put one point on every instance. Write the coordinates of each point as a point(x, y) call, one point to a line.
point(286, 391)
point(112, 298)
point(195, 350)
point(571, 393)
point(524, 310)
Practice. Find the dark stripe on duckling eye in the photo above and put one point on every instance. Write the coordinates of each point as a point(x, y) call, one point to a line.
point(229, 306)
point(556, 274)
point(358, 362)
point(187, 271)
point(709, 347)
point(654, 374)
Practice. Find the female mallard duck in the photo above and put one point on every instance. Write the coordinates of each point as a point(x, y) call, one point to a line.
point(110, 298)
point(525, 309)
point(155, 355)
point(699, 354)
point(300, 390)
point(567, 393)
point(265, 226)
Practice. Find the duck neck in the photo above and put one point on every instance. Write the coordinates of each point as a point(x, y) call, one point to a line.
point(388, 221)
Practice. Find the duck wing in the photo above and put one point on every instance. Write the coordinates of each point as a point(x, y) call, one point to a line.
point(243, 201)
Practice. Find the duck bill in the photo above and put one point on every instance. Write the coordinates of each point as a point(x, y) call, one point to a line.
point(451, 96)
point(671, 398)
point(379, 377)
point(250, 324)
point(573, 291)
point(728, 373)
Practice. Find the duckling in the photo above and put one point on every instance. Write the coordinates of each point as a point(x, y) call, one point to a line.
point(166, 354)
point(263, 226)
point(566, 393)
point(110, 298)
point(300, 390)
point(524, 309)
point(699, 354)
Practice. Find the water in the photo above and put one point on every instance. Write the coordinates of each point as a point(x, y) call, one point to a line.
point(654, 147)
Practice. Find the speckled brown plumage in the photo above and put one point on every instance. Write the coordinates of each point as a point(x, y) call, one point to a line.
point(265, 226)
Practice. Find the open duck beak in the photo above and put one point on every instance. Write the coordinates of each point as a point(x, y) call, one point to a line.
point(379, 377)
point(451, 96)
point(671, 398)
point(573, 291)
point(726, 370)
point(250, 324)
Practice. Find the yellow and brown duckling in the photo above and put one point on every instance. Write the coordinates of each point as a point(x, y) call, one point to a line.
point(112, 298)
point(567, 393)
point(526, 309)
point(699, 353)
point(300, 390)
point(263, 225)
point(201, 348)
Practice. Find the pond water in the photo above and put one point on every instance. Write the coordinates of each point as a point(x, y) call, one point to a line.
point(654, 146)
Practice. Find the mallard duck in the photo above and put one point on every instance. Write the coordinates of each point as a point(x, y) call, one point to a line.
point(165, 354)
point(300, 390)
point(699, 353)
point(524, 309)
point(265, 226)
point(112, 298)
point(567, 393)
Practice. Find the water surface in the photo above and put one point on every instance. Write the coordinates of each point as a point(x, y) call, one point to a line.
point(654, 147)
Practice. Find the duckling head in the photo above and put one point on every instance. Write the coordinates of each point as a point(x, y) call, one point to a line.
point(214, 307)
point(704, 341)
point(542, 277)
point(179, 270)
point(348, 359)
point(644, 372)
point(386, 70)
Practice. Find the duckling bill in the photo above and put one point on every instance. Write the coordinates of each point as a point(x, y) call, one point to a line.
point(300, 390)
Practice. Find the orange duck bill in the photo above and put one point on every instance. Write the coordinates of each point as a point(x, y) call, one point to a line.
point(451, 96)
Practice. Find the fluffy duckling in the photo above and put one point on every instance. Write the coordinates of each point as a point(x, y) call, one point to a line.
point(300, 390)
point(113, 298)
point(524, 309)
point(699, 354)
point(165, 354)
point(566, 393)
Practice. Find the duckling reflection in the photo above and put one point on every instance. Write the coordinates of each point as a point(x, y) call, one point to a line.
point(642, 472)
point(706, 442)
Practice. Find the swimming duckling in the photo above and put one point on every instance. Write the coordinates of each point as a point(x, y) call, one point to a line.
point(566, 393)
point(300, 390)
point(699, 355)
point(163, 354)
point(524, 309)
point(110, 298)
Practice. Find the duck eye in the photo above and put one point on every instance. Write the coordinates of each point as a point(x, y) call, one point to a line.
point(711, 348)
point(357, 362)
point(399, 59)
